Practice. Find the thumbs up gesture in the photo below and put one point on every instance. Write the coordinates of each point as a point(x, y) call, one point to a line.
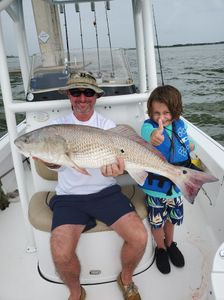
point(157, 136)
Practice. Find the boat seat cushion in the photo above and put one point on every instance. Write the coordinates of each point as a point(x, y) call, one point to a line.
point(45, 172)
point(40, 215)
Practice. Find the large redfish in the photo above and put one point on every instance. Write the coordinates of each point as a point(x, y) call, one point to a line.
point(81, 147)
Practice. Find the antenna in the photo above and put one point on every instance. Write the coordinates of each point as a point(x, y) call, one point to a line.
point(97, 41)
point(81, 36)
point(107, 7)
point(157, 41)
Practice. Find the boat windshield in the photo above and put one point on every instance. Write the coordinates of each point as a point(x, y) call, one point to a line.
point(50, 73)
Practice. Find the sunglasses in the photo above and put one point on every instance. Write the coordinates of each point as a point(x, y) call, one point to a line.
point(78, 92)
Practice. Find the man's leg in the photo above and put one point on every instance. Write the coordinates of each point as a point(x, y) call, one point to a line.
point(132, 230)
point(64, 241)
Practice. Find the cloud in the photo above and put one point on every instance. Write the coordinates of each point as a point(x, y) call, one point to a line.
point(192, 21)
point(178, 21)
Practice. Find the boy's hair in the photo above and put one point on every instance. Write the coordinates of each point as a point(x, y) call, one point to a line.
point(168, 95)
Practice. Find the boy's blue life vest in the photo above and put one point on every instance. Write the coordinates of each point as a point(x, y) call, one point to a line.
point(176, 150)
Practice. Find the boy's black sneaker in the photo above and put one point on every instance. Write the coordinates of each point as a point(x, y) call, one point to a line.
point(162, 260)
point(175, 255)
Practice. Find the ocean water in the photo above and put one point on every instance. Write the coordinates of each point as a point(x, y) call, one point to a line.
point(197, 71)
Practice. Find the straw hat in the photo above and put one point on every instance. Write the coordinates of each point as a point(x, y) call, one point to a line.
point(84, 80)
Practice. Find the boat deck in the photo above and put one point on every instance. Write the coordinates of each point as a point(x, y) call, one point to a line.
point(20, 279)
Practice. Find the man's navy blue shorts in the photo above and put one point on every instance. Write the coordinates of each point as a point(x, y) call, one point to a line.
point(107, 206)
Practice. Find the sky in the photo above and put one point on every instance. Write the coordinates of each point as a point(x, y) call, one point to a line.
point(177, 22)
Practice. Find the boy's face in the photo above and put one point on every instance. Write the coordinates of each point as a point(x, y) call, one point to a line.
point(161, 111)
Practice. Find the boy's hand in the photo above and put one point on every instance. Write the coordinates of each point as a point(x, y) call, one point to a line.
point(157, 136)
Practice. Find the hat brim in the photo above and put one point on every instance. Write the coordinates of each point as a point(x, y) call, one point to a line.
point(99, 91)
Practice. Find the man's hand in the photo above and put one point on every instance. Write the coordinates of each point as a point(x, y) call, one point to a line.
point(157, 136)
point(115, 169)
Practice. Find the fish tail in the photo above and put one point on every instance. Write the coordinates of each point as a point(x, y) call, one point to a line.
point(190, 182)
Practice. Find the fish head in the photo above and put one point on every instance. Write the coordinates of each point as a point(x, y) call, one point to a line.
point(31, 143)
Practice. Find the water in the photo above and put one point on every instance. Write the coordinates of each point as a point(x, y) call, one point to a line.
point(17, 93)
point(197, 71)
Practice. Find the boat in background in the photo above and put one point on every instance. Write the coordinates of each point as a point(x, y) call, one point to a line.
point(25, 224)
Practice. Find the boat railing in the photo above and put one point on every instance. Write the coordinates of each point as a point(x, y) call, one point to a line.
point(22, 106)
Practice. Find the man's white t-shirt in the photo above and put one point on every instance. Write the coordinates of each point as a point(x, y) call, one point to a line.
point(72, 182)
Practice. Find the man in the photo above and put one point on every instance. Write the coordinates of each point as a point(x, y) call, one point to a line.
point(99, 191)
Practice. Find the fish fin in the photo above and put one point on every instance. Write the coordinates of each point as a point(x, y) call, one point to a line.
point(190, 182)
point(138, 175)
point(81, 170)
point(128, 132)
point(70, 163)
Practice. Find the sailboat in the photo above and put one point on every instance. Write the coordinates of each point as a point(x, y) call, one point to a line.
point(26, 267)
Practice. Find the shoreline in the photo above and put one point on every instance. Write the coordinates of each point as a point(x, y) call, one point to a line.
point(189, 44)
point(162, 46)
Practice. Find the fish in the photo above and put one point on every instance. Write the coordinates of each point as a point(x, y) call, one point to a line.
point(81, 147)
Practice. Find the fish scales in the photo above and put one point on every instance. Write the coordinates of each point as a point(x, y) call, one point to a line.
point(92, 149)
point(103, 148)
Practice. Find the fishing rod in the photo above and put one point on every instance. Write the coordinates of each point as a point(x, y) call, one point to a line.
point(66, 35)
point(81, 35)
point(107, 7)
point(157, 42)
point(97, 41)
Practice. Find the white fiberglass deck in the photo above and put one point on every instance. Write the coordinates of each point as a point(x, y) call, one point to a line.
point(20, 280)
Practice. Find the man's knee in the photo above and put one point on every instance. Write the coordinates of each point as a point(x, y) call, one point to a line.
point(141, 237)
point(131, 228)
point(60, 254)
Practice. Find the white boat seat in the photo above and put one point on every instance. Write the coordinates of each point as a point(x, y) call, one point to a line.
point(44, 172)
point(104, 259)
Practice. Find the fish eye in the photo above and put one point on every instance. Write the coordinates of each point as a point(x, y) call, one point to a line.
point(26, 140)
